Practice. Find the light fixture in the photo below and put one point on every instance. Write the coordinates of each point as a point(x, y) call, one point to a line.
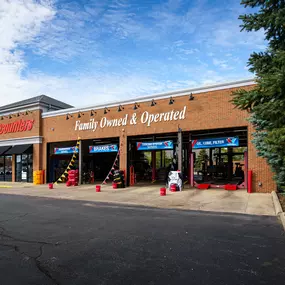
point(106, 110)
point(153, 103)
point(136, 106)
point(171, 101)
point(120, 108)
point(92, 113)
point(68, 116)
point(28, 112)
point(191, 97)
point(80, 114)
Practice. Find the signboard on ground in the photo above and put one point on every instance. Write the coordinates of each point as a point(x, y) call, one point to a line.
point(65, 150)
point(212, 143)
point(103, 148)
point(154, 145)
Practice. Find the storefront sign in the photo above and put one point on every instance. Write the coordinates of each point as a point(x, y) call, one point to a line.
point(15, 127)
point(103, 148)
point(211, 143)
point(146, 119)
point(154, 145)
point(65, 150)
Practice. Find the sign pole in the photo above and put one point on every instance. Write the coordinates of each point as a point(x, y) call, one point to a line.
point(179, 144)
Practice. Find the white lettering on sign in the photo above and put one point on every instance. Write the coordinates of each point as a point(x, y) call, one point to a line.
point(146, 118)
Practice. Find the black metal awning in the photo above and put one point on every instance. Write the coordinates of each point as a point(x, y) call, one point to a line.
point(3, 149)
point(19, 149)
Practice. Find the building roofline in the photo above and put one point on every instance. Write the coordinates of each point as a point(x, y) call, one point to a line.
point(176, 93)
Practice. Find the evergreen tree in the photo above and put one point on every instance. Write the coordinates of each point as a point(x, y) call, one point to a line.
point(201, 158)
point(266, 102)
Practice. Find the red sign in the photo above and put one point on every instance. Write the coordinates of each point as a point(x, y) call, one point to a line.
point(15, 127)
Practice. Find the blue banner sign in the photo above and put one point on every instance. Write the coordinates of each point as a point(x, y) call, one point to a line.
point(65, 150)
point(211, 143)
point(103, 148)
point(154, 145)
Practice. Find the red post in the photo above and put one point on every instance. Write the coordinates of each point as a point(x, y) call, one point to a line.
point(249, 181)
point(132, 175)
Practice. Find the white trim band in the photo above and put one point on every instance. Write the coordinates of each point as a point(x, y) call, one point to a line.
point(20, 141)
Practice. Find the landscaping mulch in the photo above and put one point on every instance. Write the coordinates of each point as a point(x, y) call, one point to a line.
point(281, 197)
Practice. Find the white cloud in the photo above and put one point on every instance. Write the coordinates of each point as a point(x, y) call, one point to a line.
point(69, 33)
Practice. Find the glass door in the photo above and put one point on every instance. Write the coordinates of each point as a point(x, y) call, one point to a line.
point(18, 168)
point(24, 172)
point(24, 167)
point(30, 168)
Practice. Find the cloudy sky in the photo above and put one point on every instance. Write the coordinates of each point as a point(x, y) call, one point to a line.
point(92, 51)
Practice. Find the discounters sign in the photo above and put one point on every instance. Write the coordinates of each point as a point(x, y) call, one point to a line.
point(15, 127)
point(211, 143)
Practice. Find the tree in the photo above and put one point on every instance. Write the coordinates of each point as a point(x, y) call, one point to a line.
point(266, 102)
point(201, 158)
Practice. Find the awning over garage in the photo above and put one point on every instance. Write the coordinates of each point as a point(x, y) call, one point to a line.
point(19, 149)
point(3, 149)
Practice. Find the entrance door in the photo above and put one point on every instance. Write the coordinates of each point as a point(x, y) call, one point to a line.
point(24, 167)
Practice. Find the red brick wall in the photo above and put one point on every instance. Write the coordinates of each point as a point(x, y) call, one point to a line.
point(209, 110)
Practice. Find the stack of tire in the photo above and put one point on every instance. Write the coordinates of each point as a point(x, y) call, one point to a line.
point(119, 178)
point(73, 178)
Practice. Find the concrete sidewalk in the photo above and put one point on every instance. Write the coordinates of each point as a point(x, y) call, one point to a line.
point(190, 199)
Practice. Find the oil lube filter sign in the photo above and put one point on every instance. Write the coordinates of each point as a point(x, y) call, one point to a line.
point(217, 142)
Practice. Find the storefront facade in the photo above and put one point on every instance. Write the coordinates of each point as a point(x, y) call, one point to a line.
point(151, 133)
point(21, 137)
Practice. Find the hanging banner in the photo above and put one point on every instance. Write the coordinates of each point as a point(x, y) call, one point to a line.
point(154, 145)
point(103, 148)
point(212, 143)
point(65, 150)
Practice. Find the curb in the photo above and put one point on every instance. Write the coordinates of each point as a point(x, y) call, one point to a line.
point(278, 209)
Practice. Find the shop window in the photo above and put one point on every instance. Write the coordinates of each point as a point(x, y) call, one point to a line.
point(6, 168)
point(2, 168)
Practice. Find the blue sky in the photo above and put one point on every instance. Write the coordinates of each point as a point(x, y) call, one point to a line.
point(90, 51)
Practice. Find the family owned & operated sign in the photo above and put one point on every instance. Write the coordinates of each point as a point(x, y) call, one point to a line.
point(146, 118)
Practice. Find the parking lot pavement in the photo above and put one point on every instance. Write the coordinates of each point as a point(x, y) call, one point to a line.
point(216, 200)
point(71, 242)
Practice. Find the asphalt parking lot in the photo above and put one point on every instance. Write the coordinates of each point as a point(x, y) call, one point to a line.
point(58, 241)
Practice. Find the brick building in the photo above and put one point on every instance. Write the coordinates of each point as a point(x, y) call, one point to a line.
point(153, 133)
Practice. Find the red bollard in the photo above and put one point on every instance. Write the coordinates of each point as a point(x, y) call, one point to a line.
point(249, 182)
point(115, 185)
point(162, 191)
point(50, 186)
point(173, 188)
point(98, 188)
